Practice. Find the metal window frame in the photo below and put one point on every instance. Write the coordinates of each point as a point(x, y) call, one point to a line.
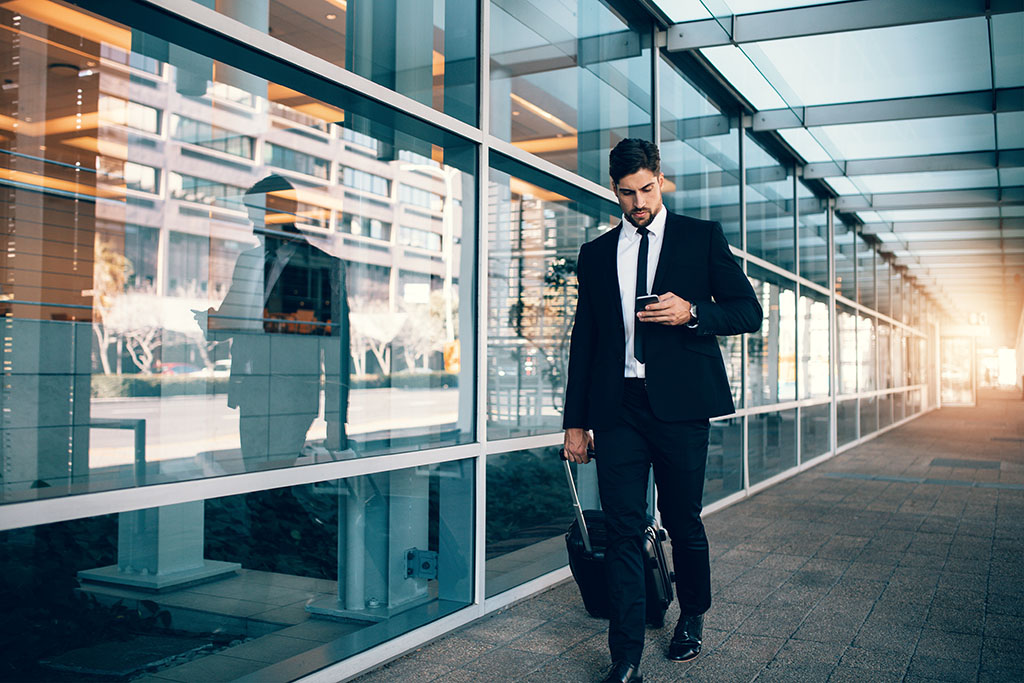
point(837, 17)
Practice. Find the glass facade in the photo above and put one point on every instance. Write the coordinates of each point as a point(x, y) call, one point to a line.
point(286, 325)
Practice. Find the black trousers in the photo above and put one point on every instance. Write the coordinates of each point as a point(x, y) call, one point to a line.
point(625, 453)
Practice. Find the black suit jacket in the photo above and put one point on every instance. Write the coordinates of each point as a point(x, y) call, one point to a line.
point(686, 377)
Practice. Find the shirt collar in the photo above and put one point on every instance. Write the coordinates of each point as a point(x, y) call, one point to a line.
point(656, 227)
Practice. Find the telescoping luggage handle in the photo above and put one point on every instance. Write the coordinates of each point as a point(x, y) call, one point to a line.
point(576, 500)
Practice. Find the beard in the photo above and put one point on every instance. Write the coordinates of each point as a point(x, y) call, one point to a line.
point(642, 223)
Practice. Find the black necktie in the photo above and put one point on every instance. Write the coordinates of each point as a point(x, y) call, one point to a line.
point(641, 290)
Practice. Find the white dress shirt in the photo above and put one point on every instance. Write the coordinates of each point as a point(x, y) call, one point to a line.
point(626, 258)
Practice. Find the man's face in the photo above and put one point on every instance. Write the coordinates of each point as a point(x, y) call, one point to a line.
point(639, 196)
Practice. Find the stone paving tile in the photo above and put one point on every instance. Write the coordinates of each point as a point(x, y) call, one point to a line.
point(876, 659)
point(943, 668)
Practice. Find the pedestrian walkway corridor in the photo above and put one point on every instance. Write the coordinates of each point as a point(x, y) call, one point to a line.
point(899, 560)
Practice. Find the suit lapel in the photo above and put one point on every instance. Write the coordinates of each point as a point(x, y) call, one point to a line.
point(667, 256)
point(610, 261)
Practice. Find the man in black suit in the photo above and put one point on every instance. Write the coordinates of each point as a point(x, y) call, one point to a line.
point(646, 381)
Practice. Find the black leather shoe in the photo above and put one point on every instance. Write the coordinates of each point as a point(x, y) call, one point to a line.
point(686, 640)
point(623, 671)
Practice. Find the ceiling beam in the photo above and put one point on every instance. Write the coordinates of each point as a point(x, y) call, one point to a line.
point(991, 196)
point(962, 161)
point(896, 109)
point(943, 226)
point(832, 18)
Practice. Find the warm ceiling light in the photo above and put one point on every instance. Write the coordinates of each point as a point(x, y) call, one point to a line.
point(332, 17)
point(74, 22)
point(525, 189)
point(340, 4)
point(546, 115)
point(547, 145)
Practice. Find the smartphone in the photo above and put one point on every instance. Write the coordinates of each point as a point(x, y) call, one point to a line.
point(643, 301)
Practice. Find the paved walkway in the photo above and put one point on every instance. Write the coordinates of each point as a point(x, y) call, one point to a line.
point(900, 560)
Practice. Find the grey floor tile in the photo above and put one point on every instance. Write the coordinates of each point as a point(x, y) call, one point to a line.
point(943, 669)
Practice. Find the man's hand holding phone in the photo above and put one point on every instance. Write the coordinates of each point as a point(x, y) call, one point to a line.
point(666, 309)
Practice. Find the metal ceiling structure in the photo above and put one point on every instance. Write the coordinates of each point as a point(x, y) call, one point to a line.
point(910, 112)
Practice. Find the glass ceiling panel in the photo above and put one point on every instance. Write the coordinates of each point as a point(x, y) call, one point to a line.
point(733, 64)
point(843, 185)
point(684, 10)
point(910, 215)
point(1011, 129)
point(748, 6)
point(923, 182)
point(939, 57)
point(905, 138)
point(805, 145)
point(1008, 48)
point(1010, 177)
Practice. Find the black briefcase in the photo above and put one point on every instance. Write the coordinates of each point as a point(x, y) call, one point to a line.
point(586, 542)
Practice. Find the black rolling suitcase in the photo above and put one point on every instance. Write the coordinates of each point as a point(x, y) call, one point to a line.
point(586, 541)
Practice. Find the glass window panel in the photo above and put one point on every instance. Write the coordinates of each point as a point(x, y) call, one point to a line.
point(846, 422)
point(771, 444)
point(885, 407)
point(423, 49)
point(291, 578)
point(814, 431)
point(899, 357)
point(211, 329)
point(904, 138)
point(883, 300)
point(856, 66)
point(568, 81)
point(885, 369)
point(866, 351)
point(913, 402)
point(732, 354)
point(845, 254)
point(724, 473)
point(846, 348)
point(699, 155)
point(865, 273)
point(771, 351)
point(814, 344)
point(528, 514)
point(813, 238)
point(898, 406)
point(868, 416)
point(537, 227)
point(897, 294)
point(770, 229)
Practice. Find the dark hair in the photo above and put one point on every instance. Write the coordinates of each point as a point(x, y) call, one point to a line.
point(631, 155)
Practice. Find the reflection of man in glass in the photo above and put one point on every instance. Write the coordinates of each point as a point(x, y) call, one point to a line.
point(287, 316)
point(646, 378)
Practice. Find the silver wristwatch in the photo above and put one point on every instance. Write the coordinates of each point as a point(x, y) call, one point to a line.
point(693, 316)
